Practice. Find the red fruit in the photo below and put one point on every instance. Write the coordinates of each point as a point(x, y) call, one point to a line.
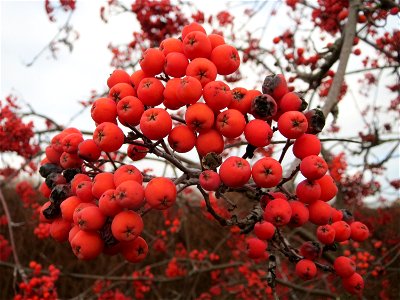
point(320, 212)
point(359, 231)
point(135, 251)
point(300, 214)
point(276, 40)
point(326, 234)
point(194, 26)
point(101, 183)
point(150, 91)
point(87, 245)
point(235, 171)
point(343, 14)
point(217, 95)
point(90, 218)
point(104, 110)
point(156, 123)
point(117, 76)
point(56, 141)
point(108, 203)
point(344, 266)
point(240, 101)
point(127, 172)
point(209, 180)
point(313, 167)
point(44, 190)
point(108, 136)
point(130, 110)
point(152, 61)
point(216, 40)
point(182, 139)
point(199, 117)
point(328, 187)
point(202, 69)
point(230, 123)
point(292, 124)
point(70, 160)
point(292, 101)
point(226, 59)
point(59, 229)
point(306, 269)
point(196, 44)
point(89, 151)
point(120, 91)
point(189, 90)
point(264, 230)
point(127, 225)
point(71, 142)
point(176, 64)
point(337, 215)
point(130, 194)
point(137, 152)
point(306, 145)
point(170, 45)
point(354, 284)
point(342, 230)
point(52, 155)
point(78, 178)
point(256, 248)
point(267, 172)
point(278, 212)
point(308, 191)
point(84, 191)
point(160, 193)
point(258, 133)
point(209, 141)
point(310, 250)
point(136, 78)
point(170, 96)
point(73, 231)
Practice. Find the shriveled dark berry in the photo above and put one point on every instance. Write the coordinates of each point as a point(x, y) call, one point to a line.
point(211, 161)
point(52, 212)
point(53, 179)
point(106, 234)
point(263, 107)
point(275, 86)
point(316, 120)
point(347, 216)
point(69, 174)
point(59, 193)
point(46, 169)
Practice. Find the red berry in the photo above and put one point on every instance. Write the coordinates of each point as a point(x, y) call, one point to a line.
point(264, 230)
point(326, 234)
point(359, 231)
point(235, 171)
point(278, 212)
point(344, 266)
point(306, 269)
point(256, 248)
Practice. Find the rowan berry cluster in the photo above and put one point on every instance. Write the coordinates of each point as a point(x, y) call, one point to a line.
point(39, 286)
point(101, 211)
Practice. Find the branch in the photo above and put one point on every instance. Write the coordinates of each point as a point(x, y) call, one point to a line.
point(11, 236)
point(349, 34)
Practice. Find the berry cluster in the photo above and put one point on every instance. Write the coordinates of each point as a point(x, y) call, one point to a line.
point(39, 286)
point(101, 211)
